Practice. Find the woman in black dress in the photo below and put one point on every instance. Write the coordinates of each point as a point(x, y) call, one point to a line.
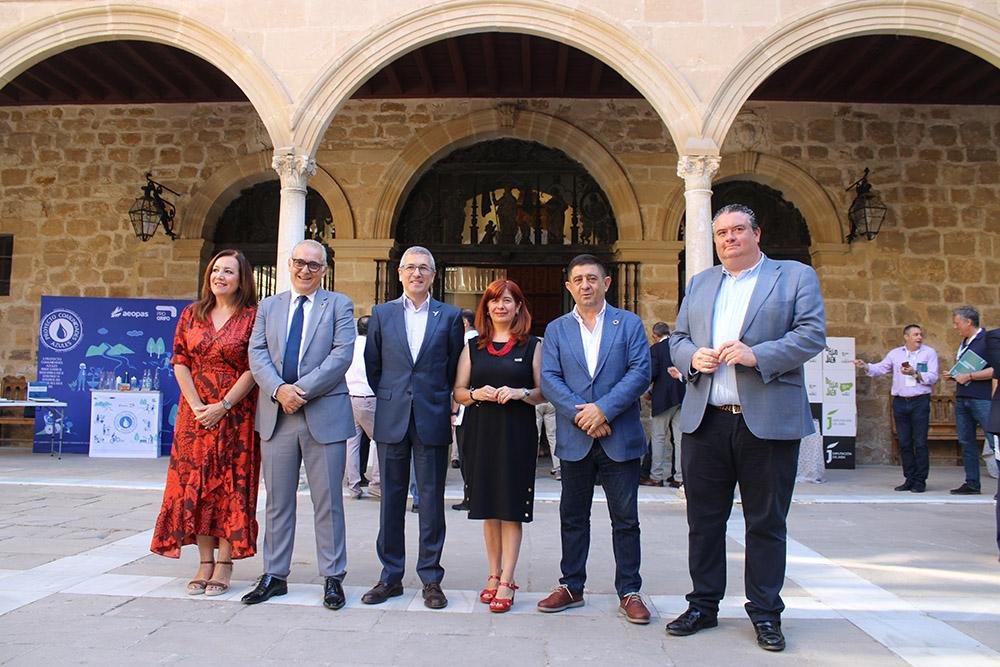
point(498, 382)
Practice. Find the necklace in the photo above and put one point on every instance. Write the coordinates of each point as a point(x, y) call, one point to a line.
point(507, 347)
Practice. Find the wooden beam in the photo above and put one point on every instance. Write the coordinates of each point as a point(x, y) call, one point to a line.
point(526, 64)
point(420, 56)
point(457, 65)
point(120, 64)
point(490, 54)
point(562, 63)
point(596, 69)
point(394, 83)
point(154, 71)
point(47, 71)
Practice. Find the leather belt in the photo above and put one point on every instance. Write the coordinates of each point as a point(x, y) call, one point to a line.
point(368, 396)
point(731, 408)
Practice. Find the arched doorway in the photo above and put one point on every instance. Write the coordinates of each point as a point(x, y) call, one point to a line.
point(504, 207)
point(784, 232)
point(250, 224)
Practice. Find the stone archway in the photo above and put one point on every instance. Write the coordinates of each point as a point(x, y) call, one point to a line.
point(208, 202)
point(942, 21)
point(661, 85)
point(825, 221)
point(507, 122)
point(28, 44)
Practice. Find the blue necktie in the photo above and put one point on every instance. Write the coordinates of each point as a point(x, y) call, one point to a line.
point(290, 364)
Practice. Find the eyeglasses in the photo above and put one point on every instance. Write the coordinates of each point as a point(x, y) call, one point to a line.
point(303, 264)
point(416, 268)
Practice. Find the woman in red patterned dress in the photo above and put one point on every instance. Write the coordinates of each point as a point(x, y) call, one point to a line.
point(210, 497)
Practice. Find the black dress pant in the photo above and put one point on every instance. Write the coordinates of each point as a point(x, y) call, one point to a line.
point(715, 458)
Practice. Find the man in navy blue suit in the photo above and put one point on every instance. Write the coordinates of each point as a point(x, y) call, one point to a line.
point(595, 366)
point(410, 357)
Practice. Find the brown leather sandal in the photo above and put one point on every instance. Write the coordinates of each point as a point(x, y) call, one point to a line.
point(198, 586)
point(215, 587)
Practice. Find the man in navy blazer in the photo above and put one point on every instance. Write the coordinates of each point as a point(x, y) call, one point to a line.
point(743, 332)
point(665, 395)
point(410, 357)
point(595, 366)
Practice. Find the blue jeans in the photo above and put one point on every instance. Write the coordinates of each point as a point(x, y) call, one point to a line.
point(621, 486)
point(968, 413)
point(913, 417)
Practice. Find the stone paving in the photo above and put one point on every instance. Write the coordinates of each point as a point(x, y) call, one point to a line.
point(874, 578)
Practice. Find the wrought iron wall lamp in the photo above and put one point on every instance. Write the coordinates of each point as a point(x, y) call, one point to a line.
point(867, 210)
point(151, 210)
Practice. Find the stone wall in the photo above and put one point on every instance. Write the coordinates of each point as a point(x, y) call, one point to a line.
point(69, 175)
point(936, 169)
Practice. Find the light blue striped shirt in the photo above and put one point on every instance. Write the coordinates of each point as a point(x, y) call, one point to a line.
point(727, 319)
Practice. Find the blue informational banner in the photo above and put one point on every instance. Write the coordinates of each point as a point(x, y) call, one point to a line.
point(83, 341)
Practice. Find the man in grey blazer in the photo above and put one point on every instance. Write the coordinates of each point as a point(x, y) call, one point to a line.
point(411, 356)
point(301, 347)
point(595, 366)
point(743, 332)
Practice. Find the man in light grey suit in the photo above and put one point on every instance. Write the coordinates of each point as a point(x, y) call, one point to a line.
point(743, 332)
point(300, 349)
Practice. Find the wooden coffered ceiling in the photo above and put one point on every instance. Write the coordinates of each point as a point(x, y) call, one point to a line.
point(874, 68)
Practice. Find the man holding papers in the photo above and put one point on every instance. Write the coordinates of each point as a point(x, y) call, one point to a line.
point(972, 393)
point(914, 368)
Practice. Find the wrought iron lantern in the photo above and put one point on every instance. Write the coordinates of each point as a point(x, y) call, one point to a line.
point(867, 211)
point(151, 210)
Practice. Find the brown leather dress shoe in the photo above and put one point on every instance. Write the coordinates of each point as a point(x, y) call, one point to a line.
point(559, 599)
point(434, 597)
point(634, 609)
point(647, 481)
point(381, 592)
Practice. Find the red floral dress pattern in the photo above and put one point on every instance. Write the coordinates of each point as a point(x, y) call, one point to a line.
point(213, 474)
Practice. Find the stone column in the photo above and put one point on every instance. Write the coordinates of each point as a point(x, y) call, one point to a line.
point(294, 171)
point(697, 172)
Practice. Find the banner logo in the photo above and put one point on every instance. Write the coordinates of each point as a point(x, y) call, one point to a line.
point(125, 422)
point(829, 451)
point(121, 312)
point(61, 330)
point(165, 313)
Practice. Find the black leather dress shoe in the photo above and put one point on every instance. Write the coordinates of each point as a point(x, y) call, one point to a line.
point(918, 488)
point(267, 587)
point(333, 594)
point(905, 486)
point(462, 506)
point(691, 622)
point(769, 635)
point(434, 597)
point(381, 592)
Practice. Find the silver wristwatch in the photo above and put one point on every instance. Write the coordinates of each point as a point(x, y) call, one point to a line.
point(227, 405)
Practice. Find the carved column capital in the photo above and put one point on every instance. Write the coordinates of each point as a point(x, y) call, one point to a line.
point(293, 169)
point(698, 170)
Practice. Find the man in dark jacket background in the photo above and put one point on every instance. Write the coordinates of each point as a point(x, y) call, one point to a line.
point(666, 394)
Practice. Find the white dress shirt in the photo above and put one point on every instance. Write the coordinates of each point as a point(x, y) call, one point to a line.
point(356, 378)
point(415, 318)
point(591, 339)
point(731, 305)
